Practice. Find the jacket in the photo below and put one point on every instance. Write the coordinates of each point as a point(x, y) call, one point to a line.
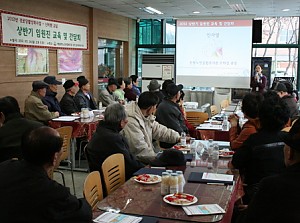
point(107, 141)
point(11, 135)
point(129, 94)
point(68, 105)
point(140, 132)
point(292, 105)
point(277, 199)
point(107, 98)
point(237, 136)
point(136, 90)
point(51, 101)
point(119, 94)
point(83, 101)
point(36, 110)
point(29, 195)
point(258, 86)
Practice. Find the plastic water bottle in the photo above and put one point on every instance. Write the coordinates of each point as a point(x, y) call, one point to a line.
point(225, 124)
point(100, 105)
point(210, 148)
point(183, 139)
point(215, 158)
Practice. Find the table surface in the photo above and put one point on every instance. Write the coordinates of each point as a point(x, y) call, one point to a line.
point(147, 200)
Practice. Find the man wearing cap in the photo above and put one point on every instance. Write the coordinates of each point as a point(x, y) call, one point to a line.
point(35, 109)
point(67, 103)
point(154, 87)
point(277, 199)
point(168, 112)
point(84, 98)
point(142, 128)
point(50, 99)
point(106, 95)
point(282, 91)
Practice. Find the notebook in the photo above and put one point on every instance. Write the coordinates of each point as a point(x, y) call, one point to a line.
point(197, 177)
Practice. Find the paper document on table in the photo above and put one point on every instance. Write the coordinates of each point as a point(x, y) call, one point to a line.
point(109, 217)
point(66, 118)
point(217, 176)
point(205, 209)
point(209, 127)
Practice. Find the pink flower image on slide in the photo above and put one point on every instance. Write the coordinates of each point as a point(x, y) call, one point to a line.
point(70, 61)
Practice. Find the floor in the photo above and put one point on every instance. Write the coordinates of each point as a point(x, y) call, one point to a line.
point(79, 177)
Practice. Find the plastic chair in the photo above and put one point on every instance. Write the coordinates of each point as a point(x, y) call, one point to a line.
point(65, 132)
point(196, 118)
point(213, 110)
point(92, 189)
point(224, 104)
point(113, 170)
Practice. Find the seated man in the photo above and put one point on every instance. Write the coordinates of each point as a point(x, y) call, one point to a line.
point(129, 93)
point(154, 87)
point(135, 84)
point(13, 128)
point(277, 199)
point(34, 107)
point(273, 115)
point(84, 98)
point(106, 95)
point(50, 99)
point(107, 141)
point(142, 128)
point(168, 112)
point(28, 194)
point(67, 103)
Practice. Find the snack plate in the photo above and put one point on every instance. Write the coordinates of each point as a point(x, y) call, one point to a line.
point(151, 179)
point(179, 199)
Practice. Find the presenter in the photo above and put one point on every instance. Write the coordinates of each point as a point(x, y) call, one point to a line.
point(258, 80)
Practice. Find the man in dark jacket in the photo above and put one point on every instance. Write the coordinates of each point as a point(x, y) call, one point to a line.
point(13, 128)
point(277, 199)
point(84, 98)
point(50, 99)
point(107, 141)
point(67, 103)
point(28, 194)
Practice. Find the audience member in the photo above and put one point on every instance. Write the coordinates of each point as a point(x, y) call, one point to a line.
point(142, 128)
point(14, 126)
point(168, 112)
point(282, 91)
point(34, 107)
point(154, 87)
point(50, 99)
point(129, 93)
point(261, 155)
point(250, 106)
point(120, 90)
point(67, 103)
point(164, 87)
point(84, 98)
point(106, 95)
point(135, 85)
point(107, 141)
point(277, 199)
point(28, 194)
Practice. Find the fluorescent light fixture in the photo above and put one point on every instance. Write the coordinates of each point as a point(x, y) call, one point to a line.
point(196, 12)
point(151, 10)
point(285, 10)
point(238, 7)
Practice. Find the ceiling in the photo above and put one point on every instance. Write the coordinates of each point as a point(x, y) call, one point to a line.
point(185, 8)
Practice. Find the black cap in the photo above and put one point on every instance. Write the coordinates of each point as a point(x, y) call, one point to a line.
point(281, 87)
point(68, 84)
point(82, 81)
point(39, 85)
point(112, 81)
point(170, 157)
point(292, 138)
point(52, 80)
point(172, 89)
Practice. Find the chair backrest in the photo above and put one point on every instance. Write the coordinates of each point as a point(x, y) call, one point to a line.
point(92, 189)
point(196, 118)
point(213, 110)
point(113, 170)
point(224, 104)
point(65, 132)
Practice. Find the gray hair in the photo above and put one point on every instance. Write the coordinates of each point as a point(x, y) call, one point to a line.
point(114, 114)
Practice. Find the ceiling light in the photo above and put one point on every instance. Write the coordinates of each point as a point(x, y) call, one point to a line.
point(196, 12)
point(285, 10)
point(151, 10)
point(238, 7)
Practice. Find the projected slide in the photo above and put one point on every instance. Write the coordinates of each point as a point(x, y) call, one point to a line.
point(207, 50)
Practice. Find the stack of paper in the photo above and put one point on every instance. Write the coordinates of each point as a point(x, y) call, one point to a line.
point(205, 209)
point(109, 217)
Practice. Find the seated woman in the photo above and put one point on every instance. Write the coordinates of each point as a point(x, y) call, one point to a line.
point(261, 155)
point(237, 135)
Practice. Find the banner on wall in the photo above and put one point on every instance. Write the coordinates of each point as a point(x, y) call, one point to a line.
point(30, 31)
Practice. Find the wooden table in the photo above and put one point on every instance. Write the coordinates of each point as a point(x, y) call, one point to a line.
point(147, 200)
